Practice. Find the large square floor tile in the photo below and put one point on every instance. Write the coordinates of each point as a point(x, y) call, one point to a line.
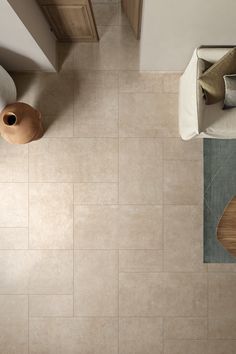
point(183, 182)
point(140, 335)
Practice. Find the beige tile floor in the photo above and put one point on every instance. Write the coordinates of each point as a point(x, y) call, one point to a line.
point(101, 220)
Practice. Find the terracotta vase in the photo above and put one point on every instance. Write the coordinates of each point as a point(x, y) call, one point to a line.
point(20, 123)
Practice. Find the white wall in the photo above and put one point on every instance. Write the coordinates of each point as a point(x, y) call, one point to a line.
point(26, 42)
point(171, 29)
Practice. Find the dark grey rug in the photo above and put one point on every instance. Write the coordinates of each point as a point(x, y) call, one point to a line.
point(219, 189)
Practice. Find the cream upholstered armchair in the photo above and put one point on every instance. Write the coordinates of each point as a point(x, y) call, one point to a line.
point(196, 119)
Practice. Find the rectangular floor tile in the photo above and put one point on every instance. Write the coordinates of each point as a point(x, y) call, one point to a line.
point(185, 328)
point(140, 171)
point(96, 193)
point(13, 238)
point(73, 335)
point(13, 162)
point(140, 335)
point(50, 305)
point(96, 283)
point(141, 294)
point(13, 205)
point(148, 114)
point(140, 261)
point(183, 182)
point(183, 238)
point(36, 272)
point(222, 295)
point(74, 160)
point(111, 226)
point(14, 324)
point(51, 216)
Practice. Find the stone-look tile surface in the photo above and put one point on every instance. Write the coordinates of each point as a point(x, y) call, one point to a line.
point(144, 82)
point(14, 204)
point(73, 160)
point(58, 126)
point(185, 294)
point(140, 171)
point(177, 149)
point(185, 328)
point(140, 261)
point(171, 83)
point(96, 193)
point(140, 227)
point(96, 112)
point(36, 272)
point(51, 305)
point(222, 328)
point(13, 238)
point(96, 227)
point(221, 347)
point(13, 162)
point(96, 104)
point(51, 216)
point(96, 283)
point(222, 295)
point(140, 335)
point(73, 335)
point(183, 182)
point(186, 347)
point(139, 293)
point(148, 114)
point(182, 244)
point(55, 94)
point(14, 324)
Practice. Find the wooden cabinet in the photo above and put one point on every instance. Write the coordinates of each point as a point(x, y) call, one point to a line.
point(133, 10)
point(70, 20)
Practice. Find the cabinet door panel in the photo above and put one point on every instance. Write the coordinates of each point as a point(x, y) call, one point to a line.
point(71, 22)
